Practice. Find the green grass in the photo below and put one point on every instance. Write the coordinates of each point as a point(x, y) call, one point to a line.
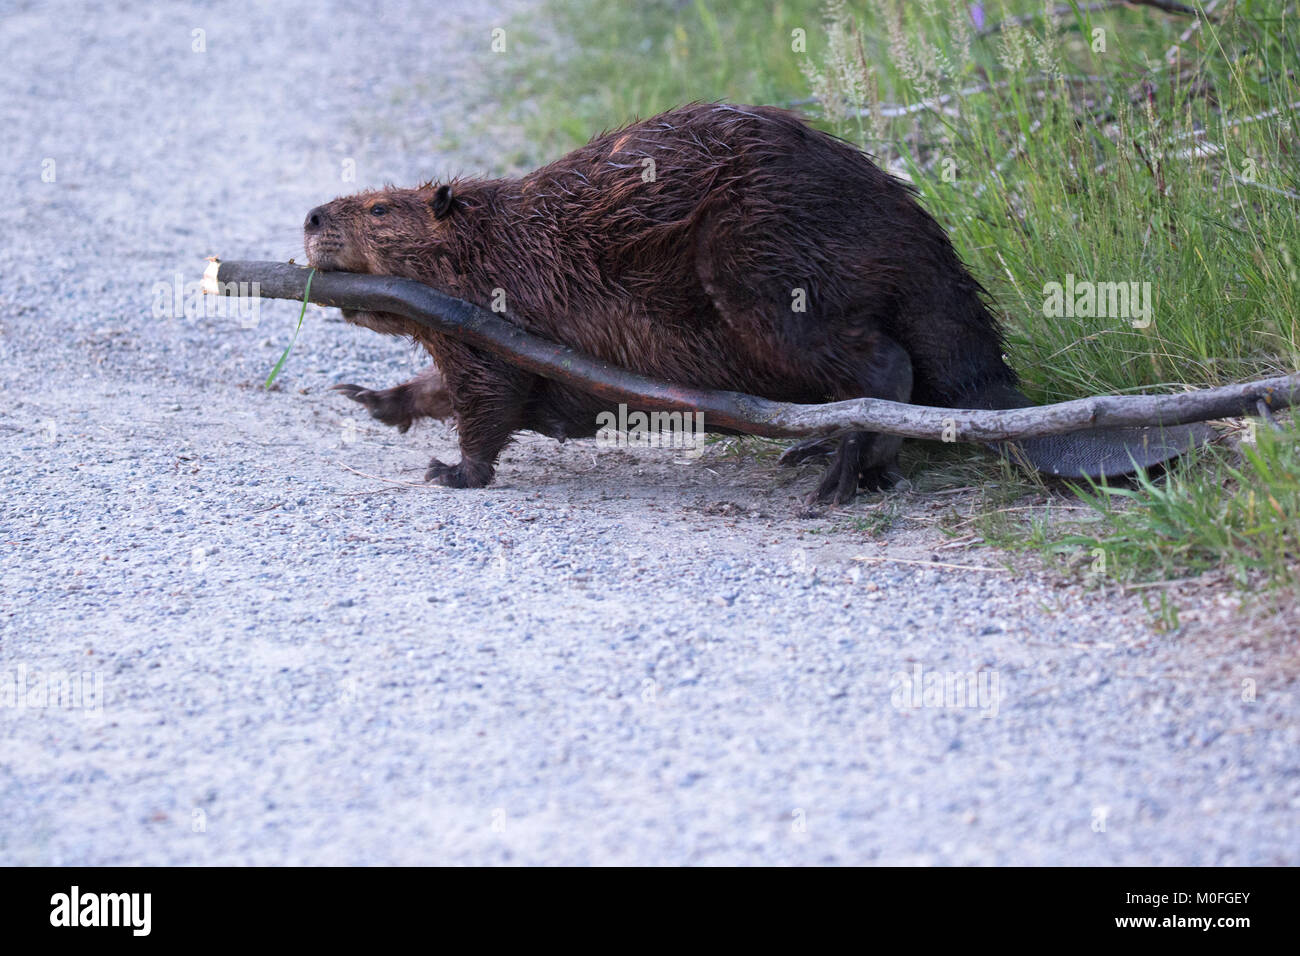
point(1171, 157)
point(1222, 509)
point(590, 66)
point(1043, 178)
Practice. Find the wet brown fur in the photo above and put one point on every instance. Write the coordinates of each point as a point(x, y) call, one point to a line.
point(688, 276)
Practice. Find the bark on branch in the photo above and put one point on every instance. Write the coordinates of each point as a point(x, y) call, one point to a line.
point(745, 413)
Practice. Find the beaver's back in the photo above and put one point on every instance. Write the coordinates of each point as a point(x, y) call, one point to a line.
point(736, 247)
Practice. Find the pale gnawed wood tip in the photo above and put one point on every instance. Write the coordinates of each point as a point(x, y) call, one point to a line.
point(210, 285)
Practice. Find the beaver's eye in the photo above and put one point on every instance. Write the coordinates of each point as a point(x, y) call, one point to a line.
point(378, 210)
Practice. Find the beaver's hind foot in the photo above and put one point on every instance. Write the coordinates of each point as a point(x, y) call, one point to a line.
point(463, 474)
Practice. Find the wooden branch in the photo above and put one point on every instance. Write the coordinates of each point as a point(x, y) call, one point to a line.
point(1168, 6)
point(440, 312)
point(1099, 6)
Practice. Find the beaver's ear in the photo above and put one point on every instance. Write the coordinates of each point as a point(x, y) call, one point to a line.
point(442, 202)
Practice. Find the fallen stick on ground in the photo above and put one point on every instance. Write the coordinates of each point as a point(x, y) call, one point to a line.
point(744, 413)
point(928, 564)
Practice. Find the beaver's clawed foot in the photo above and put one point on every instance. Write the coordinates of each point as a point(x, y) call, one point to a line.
point(463, 474)
point(808, 448)
point(389, 406)
point(839, 484)
point(856, 465)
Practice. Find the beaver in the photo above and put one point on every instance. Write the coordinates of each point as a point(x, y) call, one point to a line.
point(714, 245)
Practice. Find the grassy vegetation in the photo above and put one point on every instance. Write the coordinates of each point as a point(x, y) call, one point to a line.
point(1120, 146)
point(588, 66)
point(1228, 509)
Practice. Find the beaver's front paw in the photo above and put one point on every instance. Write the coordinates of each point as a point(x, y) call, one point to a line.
point(463, 474)
point(388, 406)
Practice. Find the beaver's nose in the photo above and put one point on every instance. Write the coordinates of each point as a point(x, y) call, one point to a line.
point(315, 220)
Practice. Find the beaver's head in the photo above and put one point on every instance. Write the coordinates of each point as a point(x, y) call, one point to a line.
point(383, 231)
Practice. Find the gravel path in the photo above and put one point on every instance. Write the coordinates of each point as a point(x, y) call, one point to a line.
point(294, 654)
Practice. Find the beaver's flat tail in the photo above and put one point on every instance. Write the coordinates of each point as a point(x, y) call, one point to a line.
point(1095, 453)
point(1105, 452)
